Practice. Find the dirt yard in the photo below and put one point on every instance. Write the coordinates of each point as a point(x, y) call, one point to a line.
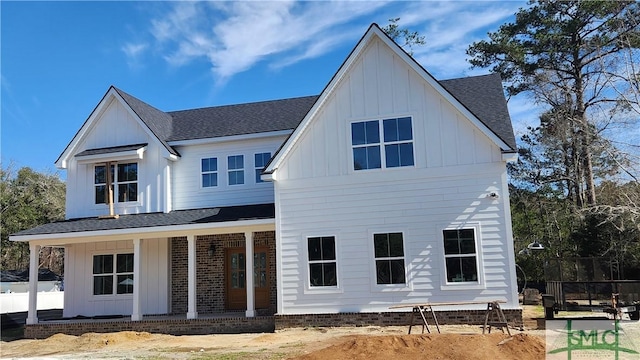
point(455, 342)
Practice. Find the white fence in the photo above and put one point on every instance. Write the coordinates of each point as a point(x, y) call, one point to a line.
point(19, 302)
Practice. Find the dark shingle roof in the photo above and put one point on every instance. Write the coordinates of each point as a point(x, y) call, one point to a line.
point(173, 218)
point(110, 150)
point(484, 97)
point(240, 119)
point(159, 122)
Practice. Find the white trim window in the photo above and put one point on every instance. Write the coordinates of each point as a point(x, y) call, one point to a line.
point(209, 170)
point(323, 270)
point(461, 258)
point(389, 258)
point(235, 169)
point(397, 141)
point(124, 182)
point(112, 274)
point(260, 161)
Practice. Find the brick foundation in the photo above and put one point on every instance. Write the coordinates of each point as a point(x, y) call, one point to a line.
point(453, 317)
point(231, 325)
point(258, 324)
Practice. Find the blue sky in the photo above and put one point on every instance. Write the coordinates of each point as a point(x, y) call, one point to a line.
point(59, 58)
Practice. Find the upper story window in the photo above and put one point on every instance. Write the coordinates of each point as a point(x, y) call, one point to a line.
point(460, 255)
point(235, 168)
point(389, 257)
point(124, 182)
point(260, 161)
point(209, 168)
point(112, 273)
point(397, 142)
point(322, 261)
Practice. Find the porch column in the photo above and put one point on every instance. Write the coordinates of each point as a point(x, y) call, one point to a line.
point(136, 314)
point(34, 259)
point(191, 275)
point(251, 308)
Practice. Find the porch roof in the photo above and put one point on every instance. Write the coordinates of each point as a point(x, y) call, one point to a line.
point(149, 220)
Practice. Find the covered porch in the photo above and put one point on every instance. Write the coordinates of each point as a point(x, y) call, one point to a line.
point(205, 266)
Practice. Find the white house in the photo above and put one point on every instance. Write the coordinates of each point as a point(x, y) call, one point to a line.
point(389, 187)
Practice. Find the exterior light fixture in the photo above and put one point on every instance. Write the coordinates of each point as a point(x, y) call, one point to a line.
point(212, 249)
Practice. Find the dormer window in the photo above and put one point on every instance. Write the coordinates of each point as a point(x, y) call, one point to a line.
point(124, 182)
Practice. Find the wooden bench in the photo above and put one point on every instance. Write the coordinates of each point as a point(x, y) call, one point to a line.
point(493, 311)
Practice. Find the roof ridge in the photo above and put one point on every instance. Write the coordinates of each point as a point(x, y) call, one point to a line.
point(241, 104)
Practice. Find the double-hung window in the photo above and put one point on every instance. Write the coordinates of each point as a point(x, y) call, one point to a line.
point(235, 168)
point(112, 273)
point(322, 261)
point(260, 161)
point(124, 182)
point(460, 255)
point(389, 257)
point(209, 168)
point(396, 142)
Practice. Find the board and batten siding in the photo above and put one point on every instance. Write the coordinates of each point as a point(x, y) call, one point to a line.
point(319, 194)
point(115, 127)
point(78, 293)
point(187, 174)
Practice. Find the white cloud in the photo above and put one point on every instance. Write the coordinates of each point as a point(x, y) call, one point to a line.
point(450, 27)
point(234, 36)
point(133, 52)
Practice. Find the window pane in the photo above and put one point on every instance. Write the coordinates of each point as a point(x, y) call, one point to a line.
point(103, 285)
point(469, 270)
point(395, 245)
point(124, 263)
point(315, 274)
point(258, 174)
point(372, 132)
point(209, 180)
point(236, 177)
point(406, 154)
point(314, 249)
point(392, 155)
point(101, 194)
point(390, 130)
point(125, 284)
point(381, 245)
point(397, 271)
point(359, 158)
point(209, 164)
point(454, 270)
point(467, 246)
point(127, 192)
point(404, 129)
point(328, 248)
point(100, 177)
point(383, 272)
point(261, 159)
point(451, 247)
point(235, 162)
point(127, 172)
point(329, 274)
point(103, 264)
point(373, 157)
point(357, 133)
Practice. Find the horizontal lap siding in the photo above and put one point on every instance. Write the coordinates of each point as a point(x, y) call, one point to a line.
point(416, 211)
point(456, 167)
point(187, 175)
